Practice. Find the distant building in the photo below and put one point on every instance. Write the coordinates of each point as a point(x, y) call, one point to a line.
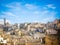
point(38, 35)
point(51, 31)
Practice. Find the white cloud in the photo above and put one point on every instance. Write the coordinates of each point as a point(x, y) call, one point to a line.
point(36, 12)
point(13, 5)
point(45, 12)
point(51, 6)
point(30, 12)
point(19, 5)
point(45, 20)
point(8, 13)
point(30, 6)
point(49, 17)
point(10, 6)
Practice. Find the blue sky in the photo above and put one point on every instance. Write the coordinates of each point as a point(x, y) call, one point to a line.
point(20, 11)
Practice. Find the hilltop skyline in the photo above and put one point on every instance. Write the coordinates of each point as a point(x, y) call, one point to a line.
point(20, 11)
